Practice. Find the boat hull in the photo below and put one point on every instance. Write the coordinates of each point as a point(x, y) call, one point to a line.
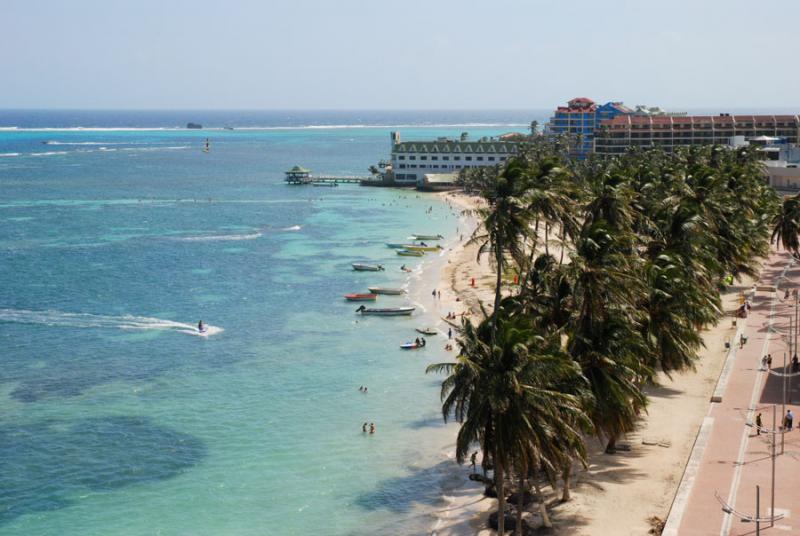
point(398, 311)
point(367, 268)
point(423, 248)
point(427, 237)
point(361, 297)
point(426, 331)
point(409, 253)
point(390, 291)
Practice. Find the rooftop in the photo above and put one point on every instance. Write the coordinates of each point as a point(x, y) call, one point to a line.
point(490, 146)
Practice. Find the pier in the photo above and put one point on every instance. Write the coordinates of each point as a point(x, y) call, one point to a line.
point(301, 175)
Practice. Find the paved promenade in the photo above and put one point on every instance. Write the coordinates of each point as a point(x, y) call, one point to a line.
point(729, 458)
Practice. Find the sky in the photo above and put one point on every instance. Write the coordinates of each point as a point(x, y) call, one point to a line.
point(404, 54)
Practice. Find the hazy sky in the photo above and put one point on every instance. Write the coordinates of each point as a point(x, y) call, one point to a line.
point(404, 54)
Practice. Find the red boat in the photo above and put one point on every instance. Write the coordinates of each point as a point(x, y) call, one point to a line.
point(361, 297)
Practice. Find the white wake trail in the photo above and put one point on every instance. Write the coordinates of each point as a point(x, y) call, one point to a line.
point(86, 320)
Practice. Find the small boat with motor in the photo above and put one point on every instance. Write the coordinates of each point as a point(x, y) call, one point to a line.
point(328, 184)
point(396, 245)
point(367, 267)
point(410, 253)
point(385, 290)
point(427, 331)
point(411, 346)
point(423, 247)
point(386, 311)
point(361, 297)
point(426, 237)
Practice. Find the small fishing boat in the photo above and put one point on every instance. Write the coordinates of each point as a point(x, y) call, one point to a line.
point(427, 331)
point(384, 290)
point(328, 184)
point(410, 346)
point(360, 297)
point(415, 247)
point(387, 311)
point(396, 246)
point(410, 253)
point(367, 267)
point(426, 237)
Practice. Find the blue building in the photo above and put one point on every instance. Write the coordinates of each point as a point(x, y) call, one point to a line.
point(579, 119)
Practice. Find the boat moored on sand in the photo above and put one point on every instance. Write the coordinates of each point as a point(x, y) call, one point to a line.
point(421, 247)
point(427, 331)
point(386, 311)
point(367, 267)
point(410, 253)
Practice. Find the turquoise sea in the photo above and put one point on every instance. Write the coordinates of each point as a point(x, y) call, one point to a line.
point(117, 418)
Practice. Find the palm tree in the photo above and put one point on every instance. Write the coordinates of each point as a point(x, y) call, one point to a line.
point(504, 224)
point(786, 225)
point(506, 397)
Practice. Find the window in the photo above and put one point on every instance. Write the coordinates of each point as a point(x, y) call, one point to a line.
point(456, 158)
point(434, 158)
point(413, 166)
point(402, 166)
point(480, 159)
point(423, 157)
point(445, 158)
point(401, 157)
point(435, 166)
point(502, 158)
point(412, 157)
point(468, 158)
point(491, 159)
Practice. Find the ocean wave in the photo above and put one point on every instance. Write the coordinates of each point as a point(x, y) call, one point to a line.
point(221, 238)
point(85, 143)
point(48, 153)
point(86, 320)
point(145, 149)
point(292, 228)
point(8, 154)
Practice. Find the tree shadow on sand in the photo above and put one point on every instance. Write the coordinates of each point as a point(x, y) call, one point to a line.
point(45, 464)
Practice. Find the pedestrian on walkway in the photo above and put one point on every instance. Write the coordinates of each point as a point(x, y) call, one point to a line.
point(758, 424)
point(769, 361)
point(449, 333)
point(788, 421)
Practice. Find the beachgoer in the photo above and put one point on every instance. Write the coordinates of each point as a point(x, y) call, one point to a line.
point(769, 361)
point(439, 294)
point(423, 341)
point(758, 424)
point(364, 428)
point(472, 460)
point(795, 364)
point(449, 333)
point(372, 428)
point(200, 326)
point(416, 341)
point(434, 293)
point(788, 421)
point(764, 362)
point(365, 388)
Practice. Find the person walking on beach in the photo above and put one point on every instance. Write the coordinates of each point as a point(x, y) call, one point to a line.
point(758, 424)
point(788, 421)
point(434, 294)
point(449, 333)
point(769, 361)
point(472, 460)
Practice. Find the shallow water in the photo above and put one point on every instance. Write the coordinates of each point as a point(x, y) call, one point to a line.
point(118, 419)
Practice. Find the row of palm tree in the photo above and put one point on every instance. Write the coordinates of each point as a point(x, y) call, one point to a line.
point(645, 242)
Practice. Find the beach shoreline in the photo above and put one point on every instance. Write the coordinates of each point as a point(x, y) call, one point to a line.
point(619, 494)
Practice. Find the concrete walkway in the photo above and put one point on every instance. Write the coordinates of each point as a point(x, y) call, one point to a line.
point(733, 458)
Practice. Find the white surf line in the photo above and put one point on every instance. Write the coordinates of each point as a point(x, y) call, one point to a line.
point(737, 472)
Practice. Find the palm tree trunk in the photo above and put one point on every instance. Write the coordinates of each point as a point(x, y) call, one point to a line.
point(546, 238)
point(611, 447)
point(497, 289)
point(501, 494)
point(563, 240)
point(542, 507)
point(532, 255)
point(565, 475)
point(520, 492)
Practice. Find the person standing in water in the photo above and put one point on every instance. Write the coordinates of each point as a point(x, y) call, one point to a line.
point(200, 326)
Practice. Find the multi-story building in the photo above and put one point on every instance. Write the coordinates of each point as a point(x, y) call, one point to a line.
point(579, 119)
point(618, 134)
point(411, 160)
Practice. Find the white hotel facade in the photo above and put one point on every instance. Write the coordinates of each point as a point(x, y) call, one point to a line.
point(412, 160)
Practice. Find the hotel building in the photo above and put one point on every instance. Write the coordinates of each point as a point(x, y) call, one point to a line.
point(412, 160)
point(618, 134)
point(579, 119)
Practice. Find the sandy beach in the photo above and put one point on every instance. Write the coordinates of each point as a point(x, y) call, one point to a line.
point(617, 494)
